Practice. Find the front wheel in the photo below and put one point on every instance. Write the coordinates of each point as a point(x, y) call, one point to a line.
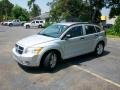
point(99, 49)
point(50, 60)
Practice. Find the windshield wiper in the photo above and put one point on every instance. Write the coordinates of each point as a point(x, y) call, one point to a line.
point(45, 34)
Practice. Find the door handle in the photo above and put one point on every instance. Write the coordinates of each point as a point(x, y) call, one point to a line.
point(82, 38)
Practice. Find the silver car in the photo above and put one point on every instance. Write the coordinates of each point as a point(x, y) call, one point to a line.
point(59, 42)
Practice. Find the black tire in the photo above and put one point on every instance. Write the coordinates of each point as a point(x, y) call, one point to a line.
point(39, 26)
point(48, 63)
point(10, 24)
point(27, 26)
point(22, 24)
point(99, 49)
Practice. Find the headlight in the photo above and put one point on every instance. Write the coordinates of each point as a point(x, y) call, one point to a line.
point(33, 50)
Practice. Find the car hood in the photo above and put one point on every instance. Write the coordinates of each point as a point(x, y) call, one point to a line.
point(34, 40)
point(7, 22)
point(27, 23)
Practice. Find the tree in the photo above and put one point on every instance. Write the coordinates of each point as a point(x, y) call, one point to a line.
point(5, 8)
point(116, 27)
point(115, 8)
point(96, 6)
point(31, 3)
point(20, 13)
point(69, 9)
point(35, 11)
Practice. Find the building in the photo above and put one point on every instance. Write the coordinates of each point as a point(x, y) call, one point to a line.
point(44, 16)
point(111, 20)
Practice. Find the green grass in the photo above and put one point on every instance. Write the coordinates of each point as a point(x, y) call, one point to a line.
point(113, 36)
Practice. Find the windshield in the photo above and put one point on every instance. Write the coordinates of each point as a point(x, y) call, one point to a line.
point(54, 30)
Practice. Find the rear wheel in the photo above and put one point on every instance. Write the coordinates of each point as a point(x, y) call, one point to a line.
point(10, 24)
point(99, 49)
point(27, 26)
point(39, 26)
point(50, 61)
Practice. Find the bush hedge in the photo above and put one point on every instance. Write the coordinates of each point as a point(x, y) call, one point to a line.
point(115, 30)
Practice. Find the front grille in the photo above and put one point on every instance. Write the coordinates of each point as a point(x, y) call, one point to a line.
point(19, 49)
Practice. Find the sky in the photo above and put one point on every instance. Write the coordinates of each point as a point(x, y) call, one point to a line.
point(41, 3)
point(45, 8)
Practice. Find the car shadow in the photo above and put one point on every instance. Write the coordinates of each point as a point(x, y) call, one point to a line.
point(63, 64)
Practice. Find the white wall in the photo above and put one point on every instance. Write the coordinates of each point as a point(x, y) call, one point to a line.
point(111, 21)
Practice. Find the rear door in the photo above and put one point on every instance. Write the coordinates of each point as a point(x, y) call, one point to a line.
point(90, 38)
point(37, 23)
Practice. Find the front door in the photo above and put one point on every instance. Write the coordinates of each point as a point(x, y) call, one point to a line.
point(74, 45)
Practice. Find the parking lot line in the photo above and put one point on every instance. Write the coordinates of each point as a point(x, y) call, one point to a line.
point(96, 75)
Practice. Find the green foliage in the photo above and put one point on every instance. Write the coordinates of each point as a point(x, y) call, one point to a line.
point(35, 11)
point(5, 8)
point(20, 13)
point(116, 27)
point(70, 9)
point(30, 3)
point(115, 8)
point(47, 24)
point(115, 30)
point(114, 12)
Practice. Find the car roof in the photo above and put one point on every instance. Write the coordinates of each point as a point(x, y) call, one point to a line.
point(71, 23)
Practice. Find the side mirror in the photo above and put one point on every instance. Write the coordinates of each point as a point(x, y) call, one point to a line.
point(67, 36)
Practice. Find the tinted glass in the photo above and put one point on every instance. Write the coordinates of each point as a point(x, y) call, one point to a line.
point(89, 29)
point(37, 21)
point(41, 21)
point(33, 22)
point(76, 31)
point(17, 20)
point(97, 29)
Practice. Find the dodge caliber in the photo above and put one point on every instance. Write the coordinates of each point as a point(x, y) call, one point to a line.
point(59, 42)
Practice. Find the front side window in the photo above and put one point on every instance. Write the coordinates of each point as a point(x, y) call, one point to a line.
point(54, 30)
point(75, 31)
point(33, 21)
point(89, 29)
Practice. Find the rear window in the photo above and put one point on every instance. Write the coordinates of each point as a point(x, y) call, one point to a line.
point(41, 21)
point(90, 29)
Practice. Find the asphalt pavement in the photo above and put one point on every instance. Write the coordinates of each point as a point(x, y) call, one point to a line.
point(85, 72)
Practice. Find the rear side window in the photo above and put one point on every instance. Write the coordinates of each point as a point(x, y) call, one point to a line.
point(97, 29)
point(37, 21)
point(41, 21)
point(76, 31)
point(90, 29)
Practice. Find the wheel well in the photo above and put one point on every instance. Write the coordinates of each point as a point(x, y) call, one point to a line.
point(28, 25)
point(102, 43)
point(10, 23)
point(53, 50)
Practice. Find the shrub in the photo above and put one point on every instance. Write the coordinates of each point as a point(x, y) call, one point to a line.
point(116, 27)
point(115, 30)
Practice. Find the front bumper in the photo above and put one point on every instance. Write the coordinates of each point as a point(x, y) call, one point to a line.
point(26, 60)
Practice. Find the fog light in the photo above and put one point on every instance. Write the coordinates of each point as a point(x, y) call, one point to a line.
point(27, 62)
